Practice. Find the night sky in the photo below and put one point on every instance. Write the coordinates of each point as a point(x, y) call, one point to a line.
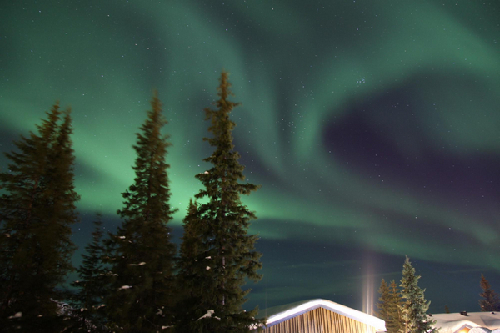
point(373, 126)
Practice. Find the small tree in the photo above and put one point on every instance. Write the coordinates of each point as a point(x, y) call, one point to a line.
point(383, 304)
point(192, 282)
point(92, 283)
point(490, 300)
point(390, 301)
point(394, 309)
point(414, 307)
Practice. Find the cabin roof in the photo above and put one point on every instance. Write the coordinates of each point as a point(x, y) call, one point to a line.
point(296, 309)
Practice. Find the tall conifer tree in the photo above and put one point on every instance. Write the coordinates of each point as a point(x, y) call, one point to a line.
point(490, 300)
point(225, 256)
point(36, 210)
point(414, 307)
point(142, 266)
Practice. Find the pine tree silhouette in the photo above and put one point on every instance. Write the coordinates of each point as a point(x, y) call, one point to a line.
point(142, 264)
point(490, 300)
point(216, 235)
point(37, 210)
point(92, 283)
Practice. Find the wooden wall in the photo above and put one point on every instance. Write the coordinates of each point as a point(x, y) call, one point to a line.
point(320, 321)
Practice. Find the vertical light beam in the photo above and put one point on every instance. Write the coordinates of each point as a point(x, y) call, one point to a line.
point(368, 288)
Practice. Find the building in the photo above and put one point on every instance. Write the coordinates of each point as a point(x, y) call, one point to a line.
point(473, 322)
point(322, 316)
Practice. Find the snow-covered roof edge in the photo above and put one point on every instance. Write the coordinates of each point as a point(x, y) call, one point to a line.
point(453, 322)
point(343, 310)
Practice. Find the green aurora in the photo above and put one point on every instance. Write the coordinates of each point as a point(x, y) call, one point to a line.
point(373, 127)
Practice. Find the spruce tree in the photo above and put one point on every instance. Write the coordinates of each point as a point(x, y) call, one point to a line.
point(388, 307)
point(414, 307)
point(394, 309)
point(383, 304)
point(37, 209)
point(490, 300)
point(192, 283)
point(92, 283)
point(225, 254)
point(142, 287)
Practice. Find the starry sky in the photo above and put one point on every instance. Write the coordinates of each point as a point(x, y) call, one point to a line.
point(373, 126)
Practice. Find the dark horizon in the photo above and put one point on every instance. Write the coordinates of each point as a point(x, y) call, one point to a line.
point(354, 273)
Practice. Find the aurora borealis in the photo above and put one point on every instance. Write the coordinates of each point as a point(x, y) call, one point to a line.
point(372, 126)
